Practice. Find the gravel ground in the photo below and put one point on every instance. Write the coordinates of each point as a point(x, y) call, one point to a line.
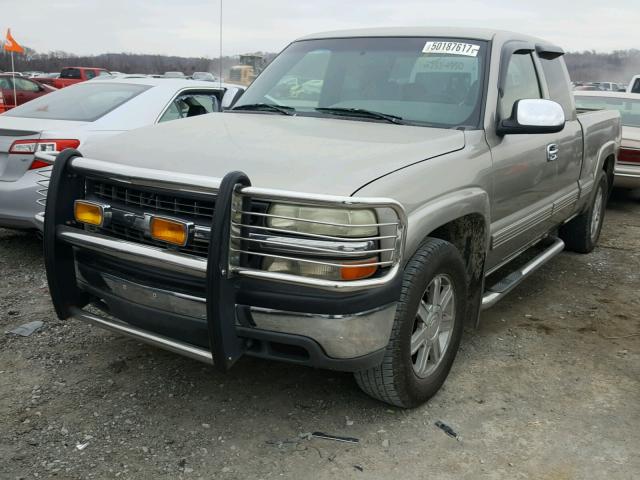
point(547, 388)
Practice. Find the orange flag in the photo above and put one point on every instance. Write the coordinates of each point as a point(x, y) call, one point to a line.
point(10, 45)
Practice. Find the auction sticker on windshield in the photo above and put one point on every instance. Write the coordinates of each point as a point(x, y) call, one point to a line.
point(452, 48)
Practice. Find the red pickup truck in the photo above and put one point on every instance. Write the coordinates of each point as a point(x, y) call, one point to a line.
point(71, 75)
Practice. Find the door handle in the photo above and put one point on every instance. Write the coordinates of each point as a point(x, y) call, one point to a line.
point(552, 152)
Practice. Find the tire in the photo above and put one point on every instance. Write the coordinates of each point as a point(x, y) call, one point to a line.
point(404, 379)
point(582, 233)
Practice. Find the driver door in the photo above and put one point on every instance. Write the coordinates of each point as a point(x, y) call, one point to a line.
point(523, 176)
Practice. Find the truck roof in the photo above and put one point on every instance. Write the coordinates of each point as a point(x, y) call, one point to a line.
point(426, 31)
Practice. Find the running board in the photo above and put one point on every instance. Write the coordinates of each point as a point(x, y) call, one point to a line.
point(496, 292)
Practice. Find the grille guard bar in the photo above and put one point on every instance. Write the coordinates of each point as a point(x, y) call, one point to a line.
point(67, 184)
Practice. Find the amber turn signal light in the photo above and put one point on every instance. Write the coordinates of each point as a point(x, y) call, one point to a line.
point(88, 212)
point(170, 231)
point(359, 270)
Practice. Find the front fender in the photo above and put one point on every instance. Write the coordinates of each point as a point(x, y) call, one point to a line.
point(444, 209)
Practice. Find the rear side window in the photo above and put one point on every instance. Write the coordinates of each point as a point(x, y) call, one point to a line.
point(521, 82)
point(636, 86)
point(72, 73)
point(26, 85)
point(84, 102)
point(191, 105)
point(557, 77)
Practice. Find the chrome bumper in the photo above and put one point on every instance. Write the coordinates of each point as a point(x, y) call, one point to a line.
point(627, 176)
point(340, 336)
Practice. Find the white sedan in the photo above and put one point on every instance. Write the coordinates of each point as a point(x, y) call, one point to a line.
point(627, 169)
point(72, 116)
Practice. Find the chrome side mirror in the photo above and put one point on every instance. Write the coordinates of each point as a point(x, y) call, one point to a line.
point(231, 96)
point(531, 116)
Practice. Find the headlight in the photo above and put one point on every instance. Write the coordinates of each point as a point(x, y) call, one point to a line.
point(353, 270)
point(335, 222)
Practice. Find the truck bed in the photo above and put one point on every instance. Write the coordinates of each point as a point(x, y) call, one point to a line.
point(599, 128)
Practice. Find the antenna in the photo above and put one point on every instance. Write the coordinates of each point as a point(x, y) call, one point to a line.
point(220, 59)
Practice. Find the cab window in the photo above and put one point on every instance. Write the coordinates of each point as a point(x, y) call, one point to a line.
point(73, 73)
point(521, 82)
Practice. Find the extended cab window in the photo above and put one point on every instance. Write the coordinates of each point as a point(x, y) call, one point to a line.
point(521, 82)
point(424, 81)
point(557, 77)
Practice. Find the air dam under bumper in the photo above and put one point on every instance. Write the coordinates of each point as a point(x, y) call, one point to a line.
point(222, 323)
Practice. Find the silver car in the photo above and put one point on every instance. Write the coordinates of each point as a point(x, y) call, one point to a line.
point(71, 117)
point(627, 169)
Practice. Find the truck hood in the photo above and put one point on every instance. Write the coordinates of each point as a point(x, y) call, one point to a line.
point(309, 154)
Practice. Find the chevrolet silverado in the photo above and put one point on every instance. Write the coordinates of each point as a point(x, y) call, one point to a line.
point(370, 192)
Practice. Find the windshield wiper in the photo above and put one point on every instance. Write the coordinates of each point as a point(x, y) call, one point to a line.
point(270, 107)
point(361, 112)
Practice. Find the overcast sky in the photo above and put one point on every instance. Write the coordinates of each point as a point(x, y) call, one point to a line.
point(191, 27)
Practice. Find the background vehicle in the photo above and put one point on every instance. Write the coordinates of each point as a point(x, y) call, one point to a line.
point(70, 117)
point(204, 76)
point(608, 86)
point(174, 75)
point(47, 78)
point(376, 213)
point(627, 169)
point(31, 74)
point(26, 89)
point(72, 75)
point(634, 85)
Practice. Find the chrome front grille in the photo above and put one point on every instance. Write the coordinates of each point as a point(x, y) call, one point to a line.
point(149, 201)
point(142, 202)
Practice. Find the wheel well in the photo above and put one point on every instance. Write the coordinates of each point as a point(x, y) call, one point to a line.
point(608, 167)
point(469, 237)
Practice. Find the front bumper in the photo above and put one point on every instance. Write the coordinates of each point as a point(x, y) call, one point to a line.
point(222, 315)
point(627, 176)
point(345, 342)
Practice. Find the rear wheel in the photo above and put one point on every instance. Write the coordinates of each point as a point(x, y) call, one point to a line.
point(582, 233)
point(426, 331)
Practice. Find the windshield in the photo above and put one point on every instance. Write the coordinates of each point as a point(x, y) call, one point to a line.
point(629, 108)
point(84, 102)
point(424, 81)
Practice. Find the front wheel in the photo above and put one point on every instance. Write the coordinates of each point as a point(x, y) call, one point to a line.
point(582, 233)
point(427, 328)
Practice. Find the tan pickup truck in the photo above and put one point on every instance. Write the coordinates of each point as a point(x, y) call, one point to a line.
point(370, 192)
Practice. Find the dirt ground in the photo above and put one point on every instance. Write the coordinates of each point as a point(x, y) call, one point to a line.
point(547, 388)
